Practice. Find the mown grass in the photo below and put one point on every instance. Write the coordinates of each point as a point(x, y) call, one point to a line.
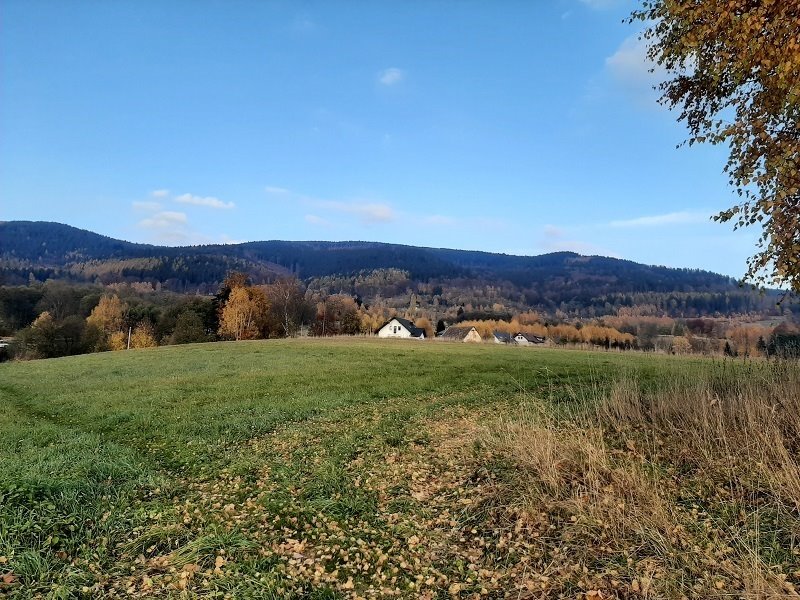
point(306, 468)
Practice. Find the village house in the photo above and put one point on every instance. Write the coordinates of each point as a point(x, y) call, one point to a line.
point(461, 334)
point(401, 328)
point(528, 339)
point(501, 337)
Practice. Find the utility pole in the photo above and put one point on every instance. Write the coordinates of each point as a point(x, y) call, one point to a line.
point(129, 338)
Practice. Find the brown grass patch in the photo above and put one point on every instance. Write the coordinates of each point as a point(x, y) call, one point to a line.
point(688, 490)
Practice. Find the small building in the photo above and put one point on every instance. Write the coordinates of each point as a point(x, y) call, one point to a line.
point(528, 339)
point(501, 337)
point(461, 334)
point(401, 328)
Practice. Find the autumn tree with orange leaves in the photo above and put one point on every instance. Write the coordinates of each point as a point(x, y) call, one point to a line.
point(244, 314)
point(735, 78)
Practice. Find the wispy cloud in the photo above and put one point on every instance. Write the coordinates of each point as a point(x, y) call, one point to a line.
point(630, 63)
point(334, 213)
point(673, 218)
point(630, 69)
point(164, 219)
point(159, 193)
point(368, 212)
point(391, 76)
point(172, 228)
point(208, 201)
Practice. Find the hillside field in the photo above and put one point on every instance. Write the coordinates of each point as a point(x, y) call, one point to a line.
point(359, 468)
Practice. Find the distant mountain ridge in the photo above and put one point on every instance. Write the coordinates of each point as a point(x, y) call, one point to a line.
point(54, 250)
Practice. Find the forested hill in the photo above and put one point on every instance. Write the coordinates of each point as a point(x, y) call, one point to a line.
point(42, 250)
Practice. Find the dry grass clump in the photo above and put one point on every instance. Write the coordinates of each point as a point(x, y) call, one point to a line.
point(686, 489)
point(745, 428)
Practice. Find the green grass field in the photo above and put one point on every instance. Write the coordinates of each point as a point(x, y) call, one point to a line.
point(298, 468)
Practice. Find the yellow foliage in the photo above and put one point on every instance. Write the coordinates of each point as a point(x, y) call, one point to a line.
point(564, 334)
point(530, 317)
point(43, 320)
point(370, 320)
point(681, 345)
point(109, 314)
point(117, 341)
point(143, 336)
point(244, 314)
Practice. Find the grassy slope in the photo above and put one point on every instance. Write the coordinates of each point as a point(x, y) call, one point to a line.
point(313, 468)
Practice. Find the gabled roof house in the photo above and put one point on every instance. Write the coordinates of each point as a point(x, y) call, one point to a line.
point(401, 328)
point(528, 339)
point(501, 337)
point(461, 334)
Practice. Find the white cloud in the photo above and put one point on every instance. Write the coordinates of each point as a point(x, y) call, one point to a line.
point(630, 64)
point(163, 220)
point(208, 201)
point(369, 212)
point(630, 70)
point(391, 76)
point(159, 193)
point(674, 218)
point(146, 205)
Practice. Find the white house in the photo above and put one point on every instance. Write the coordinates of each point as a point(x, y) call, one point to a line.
point(527, 339)
point(401, 328)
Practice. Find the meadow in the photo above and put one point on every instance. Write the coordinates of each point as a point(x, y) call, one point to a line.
point(357, 468)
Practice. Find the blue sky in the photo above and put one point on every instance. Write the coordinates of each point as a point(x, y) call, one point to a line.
point(510, 126)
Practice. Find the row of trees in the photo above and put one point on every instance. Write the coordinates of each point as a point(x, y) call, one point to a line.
point(283, 308)
point(67, 319)
point(111, 325)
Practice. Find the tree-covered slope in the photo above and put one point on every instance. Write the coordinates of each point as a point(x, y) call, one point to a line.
point(54, 251)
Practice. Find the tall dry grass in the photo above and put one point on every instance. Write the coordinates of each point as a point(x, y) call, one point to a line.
point(686, 489)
